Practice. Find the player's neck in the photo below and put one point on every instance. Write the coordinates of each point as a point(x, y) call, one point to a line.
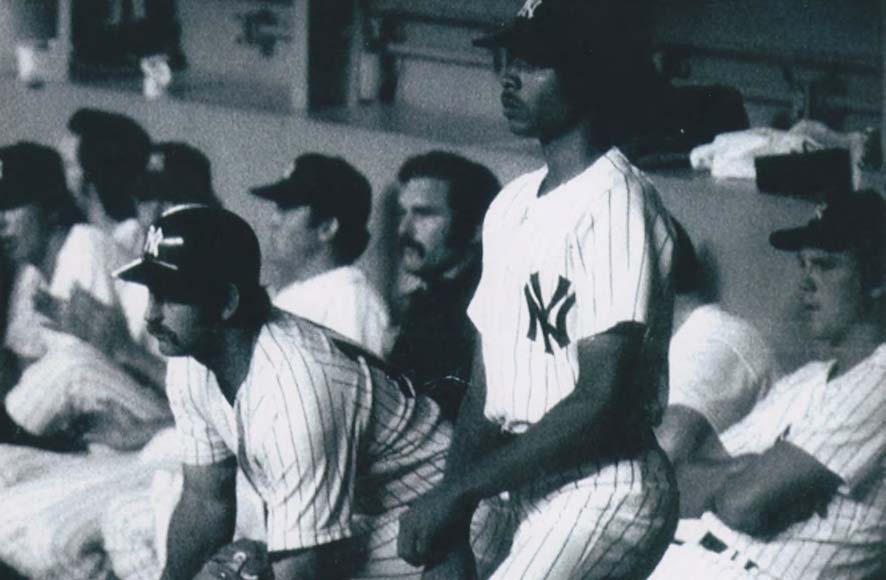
point(230, 357)
point(858, 344)
point(308, 268)
point(569, 154)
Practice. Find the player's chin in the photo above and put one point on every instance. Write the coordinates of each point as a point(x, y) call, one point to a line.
point(169, 347)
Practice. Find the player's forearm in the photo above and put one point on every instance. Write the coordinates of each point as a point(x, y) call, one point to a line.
point(699, 482)
point(575, 430)
point(473, 436)
point(199, 526)
point(565, 437)
point(303, 565)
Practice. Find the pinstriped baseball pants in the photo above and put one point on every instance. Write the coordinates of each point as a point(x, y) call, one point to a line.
point(614, 523)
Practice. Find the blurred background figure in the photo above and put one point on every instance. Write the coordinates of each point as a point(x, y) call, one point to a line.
point(318, 231)
point(103, 153)
point(719, 365)
point(442, 199)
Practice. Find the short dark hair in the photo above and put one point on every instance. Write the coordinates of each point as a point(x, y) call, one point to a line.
point(350, 240)
point(113, 151)
point(253, 310)
point(472, 186)
point(255, 307)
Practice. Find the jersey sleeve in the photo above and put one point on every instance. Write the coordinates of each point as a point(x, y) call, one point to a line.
point(200, 442)
point(307, 457)
point(709, 377)
point(86, 261)
point(846, 433)
point(622, 255)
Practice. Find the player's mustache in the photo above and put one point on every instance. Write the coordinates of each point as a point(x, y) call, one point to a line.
point(406, 242)
point(158, 330)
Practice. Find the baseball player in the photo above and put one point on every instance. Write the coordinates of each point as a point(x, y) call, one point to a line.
point(797, 488)
point(553, 455)
point(334, 445)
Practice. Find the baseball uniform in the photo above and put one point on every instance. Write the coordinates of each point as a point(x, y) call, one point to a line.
point(334, 446)
point(593, 253)
point(839, 422)
point(719, 366)
point(72, 380)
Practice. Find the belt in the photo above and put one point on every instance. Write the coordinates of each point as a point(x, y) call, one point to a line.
point(712, 543)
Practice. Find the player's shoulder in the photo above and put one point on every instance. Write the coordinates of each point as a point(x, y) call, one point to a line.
point(517, 191)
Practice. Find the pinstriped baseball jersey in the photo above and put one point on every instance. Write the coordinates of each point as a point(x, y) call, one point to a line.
point(842, 424)
point(321, 430)
point(565, 266)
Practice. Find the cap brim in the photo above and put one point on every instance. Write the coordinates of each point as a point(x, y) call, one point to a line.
point(271, 191)
point(808, 236)
point(147, 272)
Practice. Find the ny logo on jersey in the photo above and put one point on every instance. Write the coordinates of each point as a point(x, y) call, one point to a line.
point(155, 239)
point(540, 314)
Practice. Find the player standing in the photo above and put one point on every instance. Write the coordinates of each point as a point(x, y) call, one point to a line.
point(553, 455)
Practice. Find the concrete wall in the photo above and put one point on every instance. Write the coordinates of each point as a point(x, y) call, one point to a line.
point(248, 148)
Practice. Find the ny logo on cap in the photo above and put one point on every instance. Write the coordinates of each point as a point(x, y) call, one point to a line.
point(528, 10)
point(819, 211)
point(1, 169)
point(155, 239)
point(157, 162)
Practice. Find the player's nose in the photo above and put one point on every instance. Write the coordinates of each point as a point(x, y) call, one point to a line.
point(405, 225)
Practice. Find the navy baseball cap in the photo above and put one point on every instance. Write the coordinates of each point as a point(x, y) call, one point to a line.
point(32, 174)
point(193, 248)
point(109, 140)
point(176, 173)
point(329, 185)
point(853, 221)
point(555, 32)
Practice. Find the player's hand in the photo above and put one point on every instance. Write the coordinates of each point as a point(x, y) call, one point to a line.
point(435, 523)
point(87, 318)
point(240, 560)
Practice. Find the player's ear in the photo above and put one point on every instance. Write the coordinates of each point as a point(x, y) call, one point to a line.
point(328, 228)
point(231, 302)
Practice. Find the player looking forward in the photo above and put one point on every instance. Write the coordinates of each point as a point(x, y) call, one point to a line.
point(574, 310)
point(334, 445)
